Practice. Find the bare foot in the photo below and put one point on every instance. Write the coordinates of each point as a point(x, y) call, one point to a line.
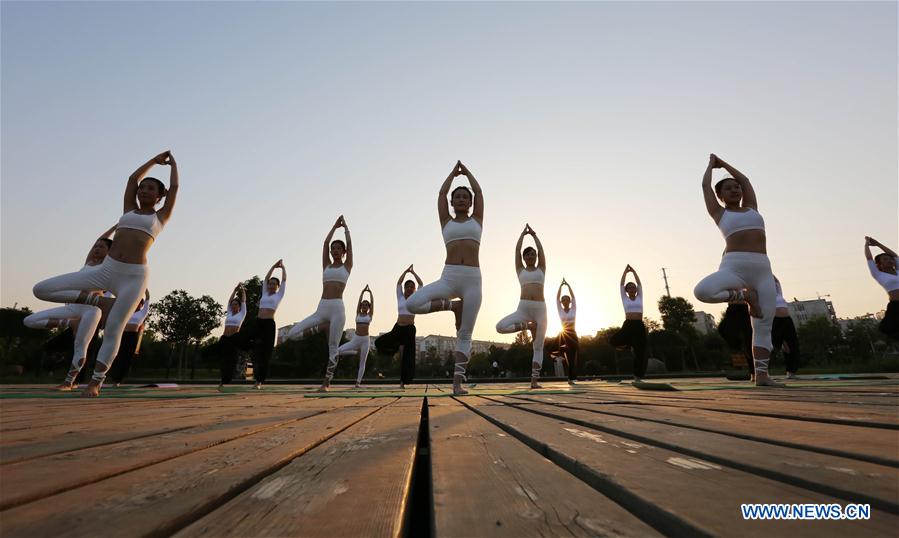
point(572, 383)
point(65, 387)
point(323, 388)
point(764, 380)
point(456, 307)
point(92, 390)
point(402, 386)
point(357, 386)
point(457, 386)
point(221, 388)
point(534, 384)
point(752, 299)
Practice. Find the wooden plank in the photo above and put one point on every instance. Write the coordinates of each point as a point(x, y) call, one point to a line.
point(852, 480)
point(33, 479)
point(356, 484)
point(815, 412)
point(679, 495)
point(874, 445)
point(160, 499)
point(487, 483)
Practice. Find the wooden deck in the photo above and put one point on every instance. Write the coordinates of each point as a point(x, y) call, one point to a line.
point(598, 459)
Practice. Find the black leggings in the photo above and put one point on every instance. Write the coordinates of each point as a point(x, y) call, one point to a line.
point(264, 337)
point(389, 343)
point(227, 351)
point(782, 331)
point(122, 363)
point(633, 334)
point(568, 346)
point(889, 325)
point(736, 329)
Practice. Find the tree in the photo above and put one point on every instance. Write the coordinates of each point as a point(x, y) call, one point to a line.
point(678, 316)
point(182, 320)
point(817, 336)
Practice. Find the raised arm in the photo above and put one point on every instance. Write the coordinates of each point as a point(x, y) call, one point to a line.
point(571, 294)
point(399, 281)
point(371, 299)
point(637, 279)
point(442, 202)
point(417, 278)
point(108, 233)
point(541, 256)
point(268, 277)
point(749, 199)
point(559, 294)
point(519, 265)
point(624, 275)
point(711, 200)
point(171, 195)
point(326, 247)
point(348, 261)
point(134, 180)
point(884, 248)
point(243, 299)
point(478, 211)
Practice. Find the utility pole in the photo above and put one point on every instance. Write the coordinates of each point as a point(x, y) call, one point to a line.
point(665, 276)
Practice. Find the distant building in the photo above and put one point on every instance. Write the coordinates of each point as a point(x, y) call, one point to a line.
point(446, 344)
point(803, 311)
point(704, 323)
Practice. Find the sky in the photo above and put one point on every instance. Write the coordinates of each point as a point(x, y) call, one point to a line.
point(592, 121)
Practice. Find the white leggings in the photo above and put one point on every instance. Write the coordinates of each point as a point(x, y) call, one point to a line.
point(456, 282)
point(740, 270)
point(127, 281)
point(88, 317)
point(361, 345)
point(329, 311)
point(528, 311)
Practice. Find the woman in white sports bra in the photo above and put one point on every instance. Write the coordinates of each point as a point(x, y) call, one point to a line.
point(566, 305)
point(124, 272)
point(401, 337)
point(83, 319)
point(262, 333)
point(227, 345)
point(461, 277)
point(531, 312)
point(330, 316)
point(633, 331)
point(361, 342)
point(744, 274)
point(883, 268)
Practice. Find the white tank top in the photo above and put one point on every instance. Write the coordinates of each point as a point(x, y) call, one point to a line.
point(336, 274)
point(363, 319)
point(149, 224)
point(272, 301)
point(531, 277)
point(138, 317)
point(634, 306)
point(236, 320)
point(401, 303)
point(888, 281)
point(732, 222)
point(568, 317)
point(780, 301)
point(457, 231)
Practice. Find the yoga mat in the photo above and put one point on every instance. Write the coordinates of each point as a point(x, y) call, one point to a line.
point(482, 392)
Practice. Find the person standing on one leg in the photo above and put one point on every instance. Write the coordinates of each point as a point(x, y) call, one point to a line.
point(461, 277)
point(402, 336)
point(568, 339)
point(783, 333)
point(883, 269)
point(745, 271)
point(633, 332)
point(228, 348)
point(361, 342)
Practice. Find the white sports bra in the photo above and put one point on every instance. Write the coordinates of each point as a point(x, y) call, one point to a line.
point(732, 222)
point(570, 315)
point(336, 274)
point(457, 231)
point(149, 223)
point(634, 306)
point(138, 317)
point(531, 277)
point(888, 281)
point(363, 319)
